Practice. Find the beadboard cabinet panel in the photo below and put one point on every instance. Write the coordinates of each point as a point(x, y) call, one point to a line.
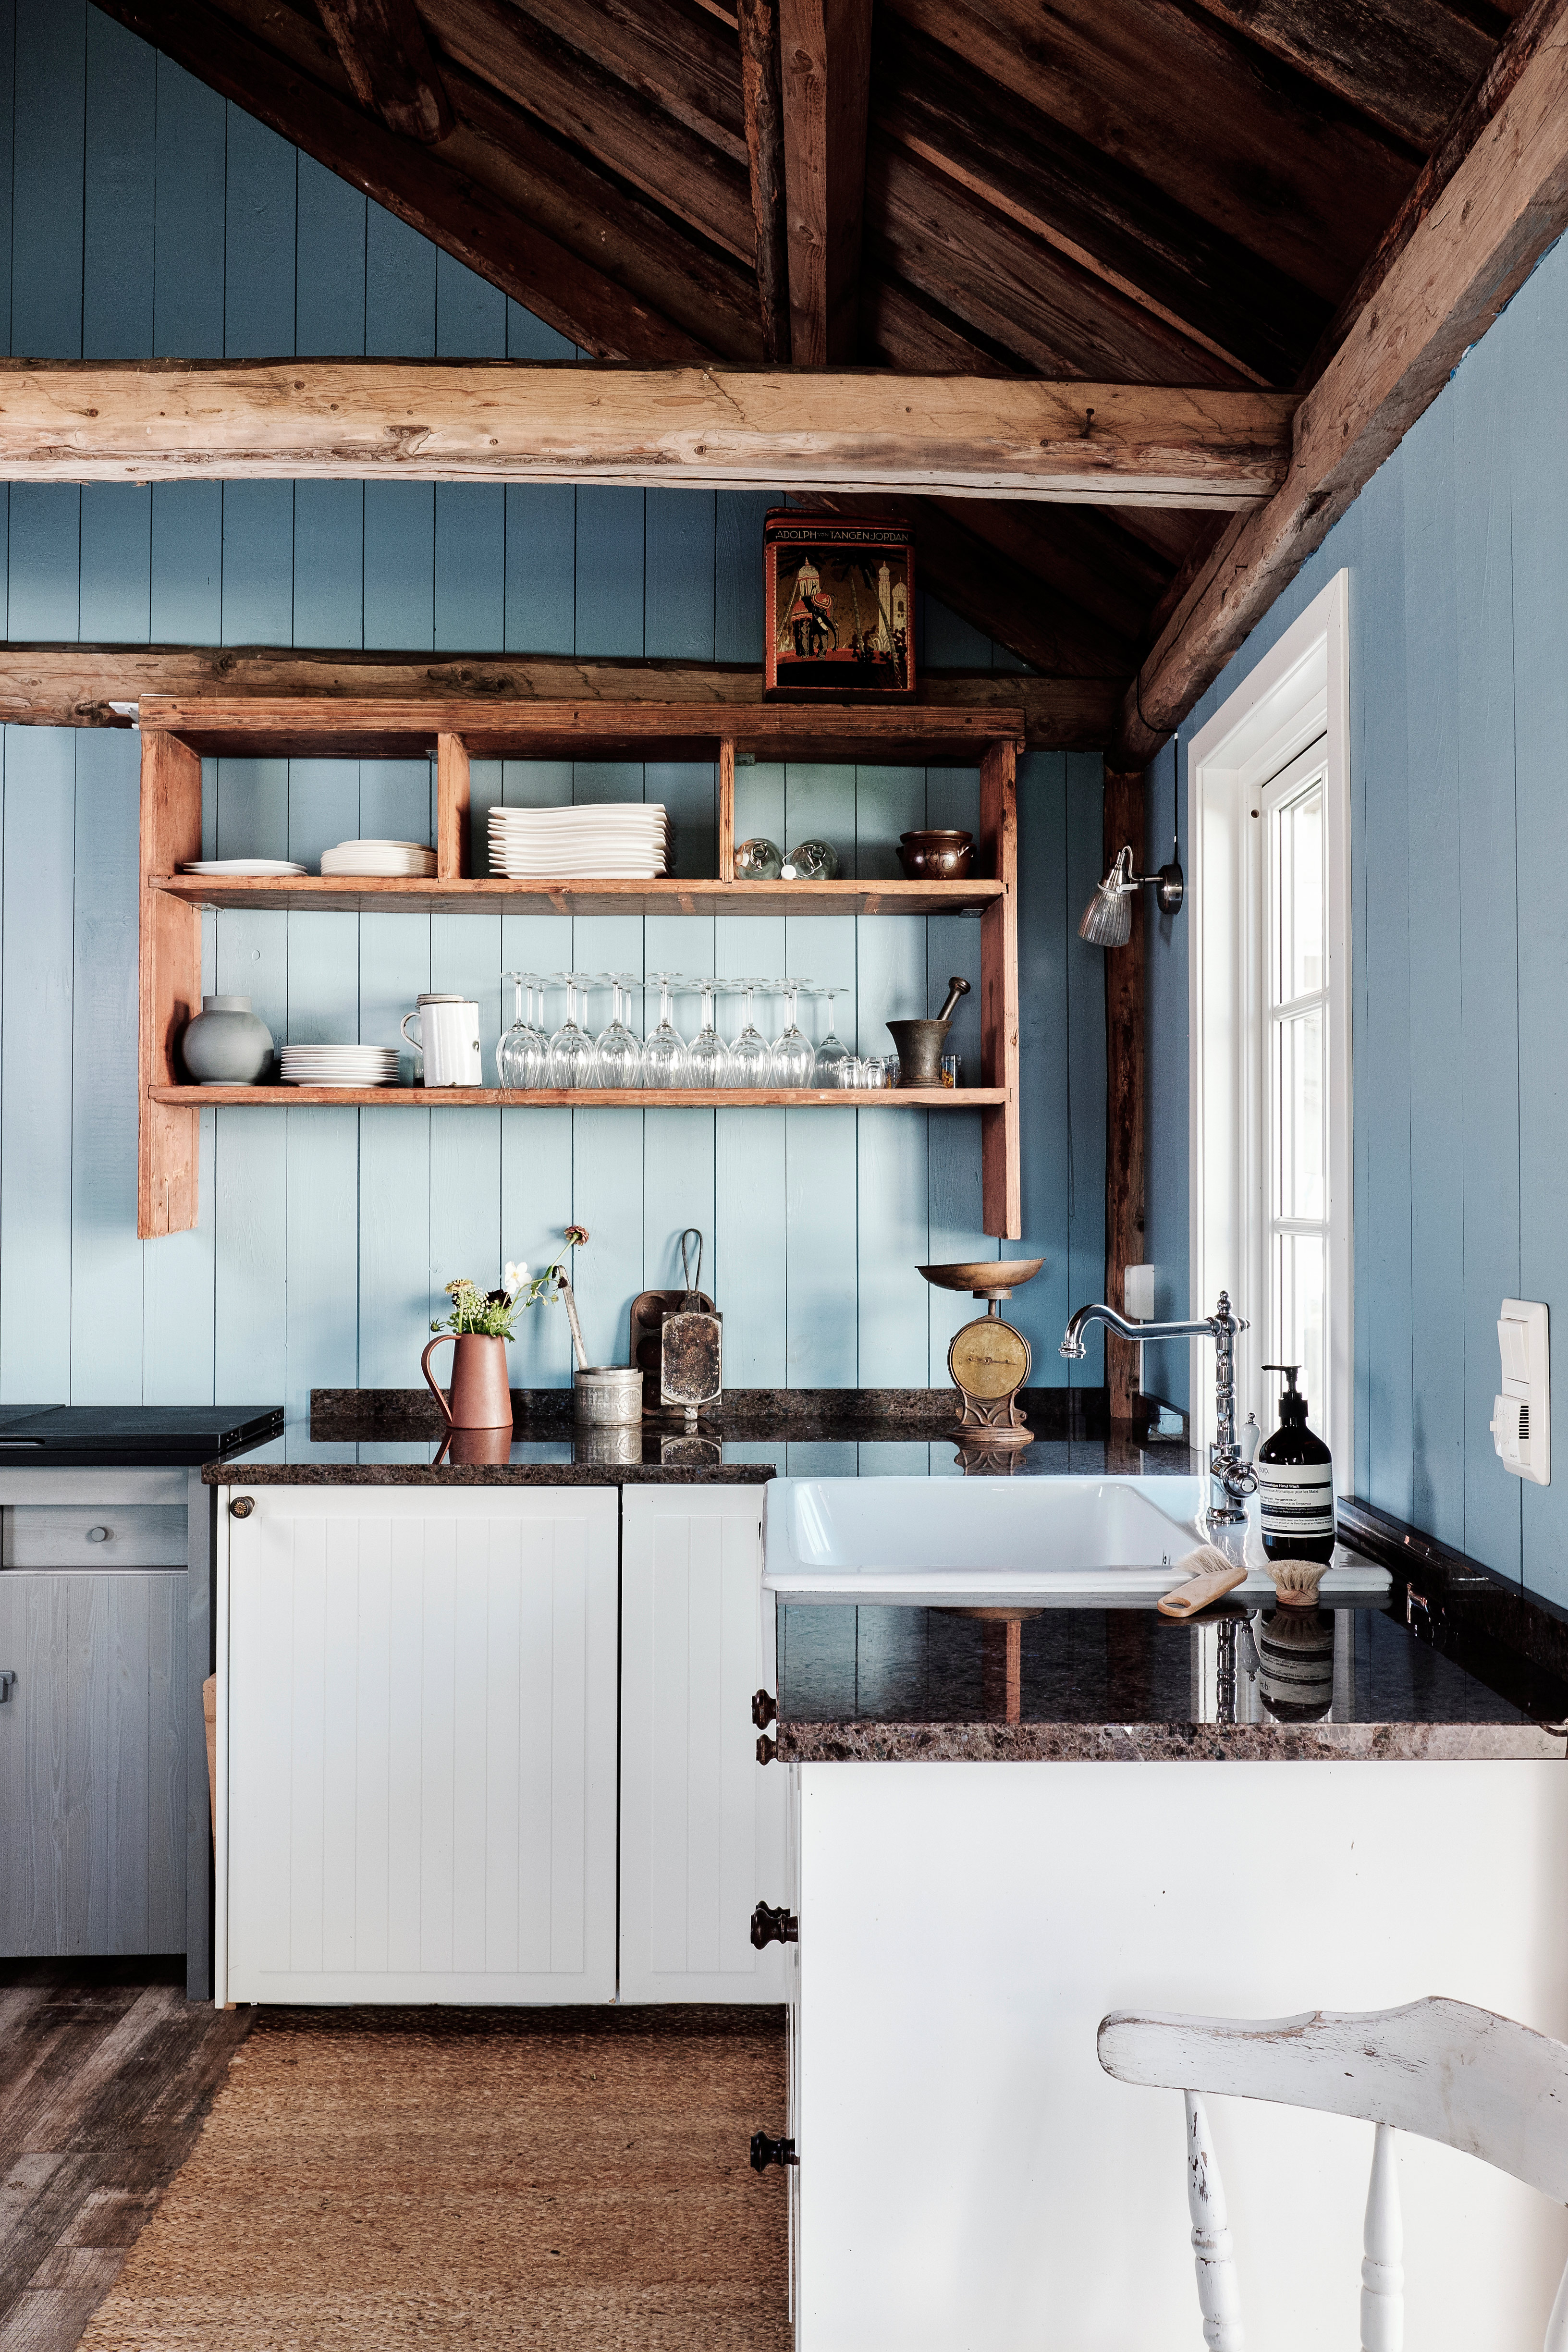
point(416, 1720)
point(703, 1823)
point(92, 1762)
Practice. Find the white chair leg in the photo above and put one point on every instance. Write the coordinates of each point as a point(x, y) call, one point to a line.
point(1557, 2325)
point(1383, 2268)
point(1220, 2297)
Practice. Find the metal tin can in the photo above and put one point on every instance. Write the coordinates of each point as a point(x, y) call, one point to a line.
point(838, 602)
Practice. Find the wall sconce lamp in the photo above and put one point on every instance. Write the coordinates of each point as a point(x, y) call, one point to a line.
point(1107, 918)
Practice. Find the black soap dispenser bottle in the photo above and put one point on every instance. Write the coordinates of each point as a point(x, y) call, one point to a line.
point(1295, 1483)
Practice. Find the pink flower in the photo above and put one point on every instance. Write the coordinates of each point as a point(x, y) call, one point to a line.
point(577, 1235)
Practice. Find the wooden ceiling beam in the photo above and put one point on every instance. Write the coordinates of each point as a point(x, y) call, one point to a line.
point(79, 685)
point(1462, 259)
point(390, 69)
point(683, 59)
point(435, 190)
point(824, 72)
point(1107, 218)
point(622, 131)
point(1408, 64)
point(763, 102)
point(508, 421)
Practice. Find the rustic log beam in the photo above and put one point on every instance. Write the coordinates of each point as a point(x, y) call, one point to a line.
point(99, 684)
point(826, 58)
point(388, 62)
point(1124, 1081)
point(763, 101)
point(1502, 205)
point(440, 192)
point(1086, 444)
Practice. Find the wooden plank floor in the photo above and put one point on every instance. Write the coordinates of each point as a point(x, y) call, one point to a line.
point(106, 2072)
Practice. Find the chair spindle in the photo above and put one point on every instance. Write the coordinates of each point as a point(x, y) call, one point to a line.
point(1219, 2296)
point(1383, 2266)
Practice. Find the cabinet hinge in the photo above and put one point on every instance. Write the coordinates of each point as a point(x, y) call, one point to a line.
point(773, 1927)
point(766, 2151)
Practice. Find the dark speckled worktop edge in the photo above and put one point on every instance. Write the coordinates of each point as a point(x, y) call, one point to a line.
point(1167, 1743)
point(238, 1472)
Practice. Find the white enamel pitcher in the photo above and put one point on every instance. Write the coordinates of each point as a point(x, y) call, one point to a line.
point(449, 1040)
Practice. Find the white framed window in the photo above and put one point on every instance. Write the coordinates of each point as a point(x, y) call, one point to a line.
point(1270, 1004)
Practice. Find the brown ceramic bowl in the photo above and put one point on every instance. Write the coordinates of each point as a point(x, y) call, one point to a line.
point(936, 857)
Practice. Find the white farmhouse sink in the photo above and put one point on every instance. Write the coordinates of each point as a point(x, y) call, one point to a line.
point(993, 1540)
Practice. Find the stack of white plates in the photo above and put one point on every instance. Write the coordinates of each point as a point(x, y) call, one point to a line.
point(338, 1066)
point(379, 857)
point(242, 866)
point(602, 840)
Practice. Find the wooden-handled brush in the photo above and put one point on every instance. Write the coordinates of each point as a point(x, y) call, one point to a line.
point(1211, 1573)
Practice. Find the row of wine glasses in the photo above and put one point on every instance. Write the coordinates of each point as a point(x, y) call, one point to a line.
point(528, 1056)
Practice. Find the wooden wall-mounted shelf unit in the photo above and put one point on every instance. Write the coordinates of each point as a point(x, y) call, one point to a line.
point(176, 732)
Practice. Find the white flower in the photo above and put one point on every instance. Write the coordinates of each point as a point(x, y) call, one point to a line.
point(515, 1276)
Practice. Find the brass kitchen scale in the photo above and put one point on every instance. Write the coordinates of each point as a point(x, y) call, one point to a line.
point(989, 1360)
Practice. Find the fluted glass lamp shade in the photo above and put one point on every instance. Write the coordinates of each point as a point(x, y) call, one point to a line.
point(1107, 918)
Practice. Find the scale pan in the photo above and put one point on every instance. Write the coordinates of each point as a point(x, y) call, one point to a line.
point(986, 1277)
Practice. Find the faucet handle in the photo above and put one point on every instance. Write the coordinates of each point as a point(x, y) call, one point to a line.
point(1249, 1438)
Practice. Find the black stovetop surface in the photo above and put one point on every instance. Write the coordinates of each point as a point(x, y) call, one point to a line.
point(61, 1437)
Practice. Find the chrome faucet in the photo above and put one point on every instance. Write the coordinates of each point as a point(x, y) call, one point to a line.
point(1234, 1477)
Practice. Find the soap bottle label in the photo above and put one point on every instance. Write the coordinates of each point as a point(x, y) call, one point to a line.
point(1296, 1499)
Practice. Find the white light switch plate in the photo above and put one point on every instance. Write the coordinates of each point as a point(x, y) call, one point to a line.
point(1521, 1414)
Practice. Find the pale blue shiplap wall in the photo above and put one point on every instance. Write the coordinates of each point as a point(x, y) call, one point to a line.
point(1458, 552)
point(144, 215)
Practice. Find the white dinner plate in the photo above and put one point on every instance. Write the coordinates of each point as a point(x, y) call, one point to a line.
point(242, 866)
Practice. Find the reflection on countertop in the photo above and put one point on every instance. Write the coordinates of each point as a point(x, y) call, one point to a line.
point(722, 1453)
point(901, 1684)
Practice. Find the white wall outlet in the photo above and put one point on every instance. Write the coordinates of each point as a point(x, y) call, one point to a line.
point(1138, 1294)
point(1522, 1415)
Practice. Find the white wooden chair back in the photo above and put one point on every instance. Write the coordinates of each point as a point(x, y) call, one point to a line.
point(1438, 2068)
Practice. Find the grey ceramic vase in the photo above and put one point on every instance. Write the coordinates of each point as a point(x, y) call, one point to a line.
point(225, 1045)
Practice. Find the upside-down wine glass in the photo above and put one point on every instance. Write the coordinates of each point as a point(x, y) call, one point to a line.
point(522, 1056)
point(793, 1059)
point(619, 1052)
point(708, 1061)
point(750, 1056)
point(832, 1051)
point(664, 1050)
point(573, 1060)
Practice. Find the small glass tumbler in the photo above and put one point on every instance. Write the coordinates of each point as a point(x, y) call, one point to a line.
point(952, 1070)
point(874, 1074)
point(849, 1074)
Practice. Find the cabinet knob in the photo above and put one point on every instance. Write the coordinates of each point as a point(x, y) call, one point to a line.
point(766, 2150)
point(242, 1506)
point(773, 1927)
point(766, 1749)
point(97, 1535)
point(7, 1684)
point(764, 1708)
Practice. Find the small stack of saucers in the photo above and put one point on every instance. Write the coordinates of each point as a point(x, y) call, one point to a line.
point(602, 841)
point(235, 866)
point(338, 1066)
point(380, 857)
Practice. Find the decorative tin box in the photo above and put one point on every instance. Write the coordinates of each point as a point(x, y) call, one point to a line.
point(838, 598)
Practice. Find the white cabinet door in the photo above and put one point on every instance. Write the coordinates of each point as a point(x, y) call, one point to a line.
point(417, 1728)
point(703, 1823)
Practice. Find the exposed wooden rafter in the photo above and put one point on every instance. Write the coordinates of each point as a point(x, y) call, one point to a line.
point(763, 101)
point(1129, 445)
point(1408, 63)
point(1462, 259)
point(825, 71)
point(388, 62)
point(81, 686)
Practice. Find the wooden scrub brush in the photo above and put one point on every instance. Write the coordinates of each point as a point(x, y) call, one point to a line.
point(1296, 1581)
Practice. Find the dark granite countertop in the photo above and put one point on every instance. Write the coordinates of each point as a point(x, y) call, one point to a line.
point(885, 1684)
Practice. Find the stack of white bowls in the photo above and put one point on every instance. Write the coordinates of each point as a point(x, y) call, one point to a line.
point(380, 857)
point(338, 1066)
point(602, 841)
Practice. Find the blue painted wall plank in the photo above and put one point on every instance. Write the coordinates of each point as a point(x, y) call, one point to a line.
point(330, 255)
point(117, 196)
point(609, 572)
point(44, 598)
point(116, 524)
point(36, 1145)
point(106, 1307)
point(50, 131)
point(189, 215)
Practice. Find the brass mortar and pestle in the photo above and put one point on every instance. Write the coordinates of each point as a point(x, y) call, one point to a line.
point(920, 1043)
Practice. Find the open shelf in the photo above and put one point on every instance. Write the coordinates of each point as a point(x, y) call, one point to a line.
point(177, 731)
point(597, 1098)
point(366, 894)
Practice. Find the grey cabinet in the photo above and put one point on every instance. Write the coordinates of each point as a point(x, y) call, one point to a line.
point(94, 1746)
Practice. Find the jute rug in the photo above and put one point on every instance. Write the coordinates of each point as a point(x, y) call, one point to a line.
point(372, 2179)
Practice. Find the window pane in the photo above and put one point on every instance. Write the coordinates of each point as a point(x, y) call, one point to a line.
point(1301, 1314)
point(1299, 967)
point(1300, 1161)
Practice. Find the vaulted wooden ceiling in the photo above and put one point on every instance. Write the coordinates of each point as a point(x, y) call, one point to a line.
point(1177, 192)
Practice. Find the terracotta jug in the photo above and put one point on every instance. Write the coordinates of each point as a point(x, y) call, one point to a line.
point(481, 1395)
